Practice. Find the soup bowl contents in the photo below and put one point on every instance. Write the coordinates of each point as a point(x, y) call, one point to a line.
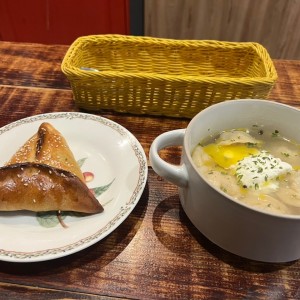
point(254, 165)
point(239, 177)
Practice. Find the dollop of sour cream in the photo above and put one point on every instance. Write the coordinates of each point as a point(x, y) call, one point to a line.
point(261, 170)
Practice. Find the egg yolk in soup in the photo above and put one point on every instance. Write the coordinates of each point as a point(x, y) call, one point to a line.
point(256, 166)
point(228, 155)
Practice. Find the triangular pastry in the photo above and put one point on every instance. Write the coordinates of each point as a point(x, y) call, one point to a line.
point(48, 147)
point(43, 175)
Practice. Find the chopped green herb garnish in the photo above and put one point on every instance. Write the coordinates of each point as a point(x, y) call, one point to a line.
point(251, 145)
point(223, 189)
point(275, 133)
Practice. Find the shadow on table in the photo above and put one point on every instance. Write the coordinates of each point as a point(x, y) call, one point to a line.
point(179, 243)
point(103, 251)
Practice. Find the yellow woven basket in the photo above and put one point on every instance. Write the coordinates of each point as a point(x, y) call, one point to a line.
point(155, 76)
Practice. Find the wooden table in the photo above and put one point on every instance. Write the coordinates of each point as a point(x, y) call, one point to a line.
point(156, 253)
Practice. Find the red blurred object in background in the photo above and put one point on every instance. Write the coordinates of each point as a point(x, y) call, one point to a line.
point(61, 21)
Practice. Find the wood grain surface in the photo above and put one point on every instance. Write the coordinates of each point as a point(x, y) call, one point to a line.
point(272, 23)
point(156, 253)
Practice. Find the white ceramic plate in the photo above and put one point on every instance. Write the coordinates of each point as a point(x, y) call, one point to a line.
point(104, 148)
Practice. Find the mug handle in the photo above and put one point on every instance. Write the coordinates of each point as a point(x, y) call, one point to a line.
point(177, 175)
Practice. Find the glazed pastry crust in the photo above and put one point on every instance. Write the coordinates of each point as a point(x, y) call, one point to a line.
point(43, 175)
point(48, 147)
point(38, 187)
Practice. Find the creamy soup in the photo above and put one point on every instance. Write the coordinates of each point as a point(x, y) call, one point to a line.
point(256, 166)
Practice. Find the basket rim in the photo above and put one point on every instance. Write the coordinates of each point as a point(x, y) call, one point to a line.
point(68, 69)
point(149, 39)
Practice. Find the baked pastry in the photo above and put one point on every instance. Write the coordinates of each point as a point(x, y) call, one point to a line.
point(43, 176)
point(48, 147)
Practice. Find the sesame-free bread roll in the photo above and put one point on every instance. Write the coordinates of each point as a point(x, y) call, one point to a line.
point(43, 175)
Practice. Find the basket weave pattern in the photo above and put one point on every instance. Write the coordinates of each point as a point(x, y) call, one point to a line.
point(178, 78)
